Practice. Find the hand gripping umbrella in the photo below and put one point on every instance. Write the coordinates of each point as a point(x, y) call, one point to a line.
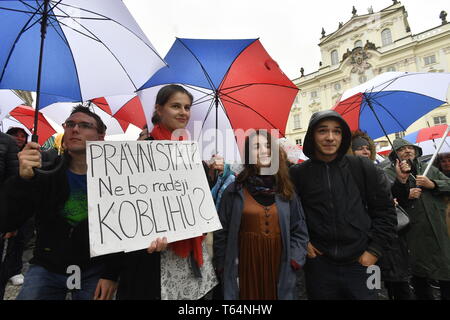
point(392, 101)
point(235, 83)
point(72, 50)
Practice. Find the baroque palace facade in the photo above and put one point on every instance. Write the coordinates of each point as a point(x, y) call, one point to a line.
point(362, 48)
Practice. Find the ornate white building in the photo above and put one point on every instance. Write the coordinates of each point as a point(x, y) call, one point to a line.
point(362, 48)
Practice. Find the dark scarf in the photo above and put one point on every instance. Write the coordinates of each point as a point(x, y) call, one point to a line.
point(262, 188)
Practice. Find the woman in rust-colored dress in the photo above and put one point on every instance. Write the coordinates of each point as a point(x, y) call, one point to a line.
point(264, 236)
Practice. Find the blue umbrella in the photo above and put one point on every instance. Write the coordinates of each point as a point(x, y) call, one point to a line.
point(72, 50)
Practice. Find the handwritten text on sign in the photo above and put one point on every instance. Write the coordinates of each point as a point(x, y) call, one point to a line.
point(139, 191)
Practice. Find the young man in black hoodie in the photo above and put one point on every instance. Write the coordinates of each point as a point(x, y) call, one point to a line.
point(349, 228)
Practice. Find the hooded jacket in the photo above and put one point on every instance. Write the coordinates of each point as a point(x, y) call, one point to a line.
point(341, 224)
point(427, 235)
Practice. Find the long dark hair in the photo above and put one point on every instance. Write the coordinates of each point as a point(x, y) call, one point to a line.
point(164, 94)
point(284, 186)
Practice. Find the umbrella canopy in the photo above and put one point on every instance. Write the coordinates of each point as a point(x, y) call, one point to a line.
point(73, 50)
point(59, 112)
point(425, 134)
point(235, 83)
point(8, 101)
point(392, 101)
point(25, 115)
point(125, 108)
point(429, 138)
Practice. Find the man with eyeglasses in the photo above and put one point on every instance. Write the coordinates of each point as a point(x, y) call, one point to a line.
point(60, 202)
point(427, 236)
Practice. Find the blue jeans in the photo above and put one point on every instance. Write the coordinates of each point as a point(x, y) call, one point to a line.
point(41, 284)
point(328, 281)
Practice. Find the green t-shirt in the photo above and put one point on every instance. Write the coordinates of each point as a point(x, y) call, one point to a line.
point(76, 208)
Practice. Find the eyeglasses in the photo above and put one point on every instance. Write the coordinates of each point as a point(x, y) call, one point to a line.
point(81, 125)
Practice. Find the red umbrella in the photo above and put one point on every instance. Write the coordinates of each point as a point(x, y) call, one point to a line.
point(25, 115)
point(126, 109)
point(425, 134)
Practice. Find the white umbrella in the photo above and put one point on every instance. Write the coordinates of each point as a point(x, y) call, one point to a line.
point(73, 50)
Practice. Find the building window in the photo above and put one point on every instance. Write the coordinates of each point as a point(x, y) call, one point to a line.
point(358, 44)
point(334, 58)
point(399, 135)
point(386, 37)
point(390, 69)
point(429, 60)
point(313, 94)
point(297, 124)
point(299, 142)
point(337, 86)
point(440, 120)
point(362, 79)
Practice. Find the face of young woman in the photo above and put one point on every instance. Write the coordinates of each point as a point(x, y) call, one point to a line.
point(260, 153)
point(176, 112)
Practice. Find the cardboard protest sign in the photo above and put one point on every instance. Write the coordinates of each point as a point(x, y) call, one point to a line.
point(142, 190)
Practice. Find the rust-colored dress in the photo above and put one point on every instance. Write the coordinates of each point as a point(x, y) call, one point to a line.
point(260, 248)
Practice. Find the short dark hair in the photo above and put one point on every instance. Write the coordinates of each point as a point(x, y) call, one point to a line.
point(101, 127)
point(164, 94)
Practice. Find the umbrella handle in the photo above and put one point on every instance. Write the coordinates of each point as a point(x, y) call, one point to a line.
point(58, 166)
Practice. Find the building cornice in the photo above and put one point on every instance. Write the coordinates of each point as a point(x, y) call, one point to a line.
point(336, 35)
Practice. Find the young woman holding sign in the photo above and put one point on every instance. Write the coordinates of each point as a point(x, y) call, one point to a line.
point(264, 236)
point(184, 270)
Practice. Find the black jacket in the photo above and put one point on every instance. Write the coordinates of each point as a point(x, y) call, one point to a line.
point(341, 224)
point(9, 167)
point(9, 164)
point(58, 244)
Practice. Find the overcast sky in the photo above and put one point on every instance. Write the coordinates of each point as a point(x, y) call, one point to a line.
point(289, 29)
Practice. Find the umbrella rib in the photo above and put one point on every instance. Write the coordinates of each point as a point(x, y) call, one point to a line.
point(207, 114)
point(392, 116)
point(231, 64)
point(206, 94)
point(247, 106)
point(208, 78)
point(15, 41)
point(245, 85)
point(109, 19)
point(106, 47)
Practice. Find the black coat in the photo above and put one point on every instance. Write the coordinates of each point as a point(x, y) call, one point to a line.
point(58, 244)
point(340, 223)
point(9, 166)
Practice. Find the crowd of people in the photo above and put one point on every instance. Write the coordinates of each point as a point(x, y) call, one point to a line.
point(328, 220)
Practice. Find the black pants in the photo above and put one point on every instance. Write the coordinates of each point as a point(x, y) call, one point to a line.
point(13, 263)
point(423, 290)
point(326, 280)
point(399, 290)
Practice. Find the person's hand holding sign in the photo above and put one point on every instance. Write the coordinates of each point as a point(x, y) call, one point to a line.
point(157, 245)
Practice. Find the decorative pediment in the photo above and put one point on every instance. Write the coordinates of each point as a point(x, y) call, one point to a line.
point(356, 22)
